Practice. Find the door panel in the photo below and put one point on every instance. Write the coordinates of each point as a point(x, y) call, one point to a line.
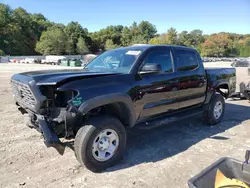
point(159, 94)
point(192, 85)
point(192, 89)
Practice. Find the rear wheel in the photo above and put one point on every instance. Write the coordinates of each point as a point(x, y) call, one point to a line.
point(100, 143)
point(215, 110)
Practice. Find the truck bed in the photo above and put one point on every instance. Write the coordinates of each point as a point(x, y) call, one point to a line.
point(220, 76)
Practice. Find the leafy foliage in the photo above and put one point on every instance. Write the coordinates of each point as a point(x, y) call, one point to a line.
point(53, 42)
point(146, 31)
point(110, 45)
point(244, 47)
point(74, 31)
point(22, 33)
point(172, 36)
point(82, 46)
point(2, 53)
point(19, 30)
point(217, 45)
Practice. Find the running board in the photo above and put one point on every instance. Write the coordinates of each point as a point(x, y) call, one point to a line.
point(169, 118)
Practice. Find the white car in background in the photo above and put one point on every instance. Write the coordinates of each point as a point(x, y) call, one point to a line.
point(52, 59)
point(28, 60)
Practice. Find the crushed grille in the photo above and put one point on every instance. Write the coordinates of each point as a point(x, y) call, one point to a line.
point(23, 94)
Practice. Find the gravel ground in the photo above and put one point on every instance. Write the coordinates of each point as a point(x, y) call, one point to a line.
point(163, 157)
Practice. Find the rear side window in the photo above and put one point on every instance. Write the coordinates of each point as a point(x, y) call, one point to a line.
point(162, 57)
point(186, 60)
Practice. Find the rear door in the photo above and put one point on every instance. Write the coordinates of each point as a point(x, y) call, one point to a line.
point(192, 83)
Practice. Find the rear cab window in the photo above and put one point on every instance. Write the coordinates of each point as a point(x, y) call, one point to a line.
point(186, 60)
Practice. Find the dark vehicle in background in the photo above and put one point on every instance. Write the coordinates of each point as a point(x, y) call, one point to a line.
point(139, 86)
point(241, 63)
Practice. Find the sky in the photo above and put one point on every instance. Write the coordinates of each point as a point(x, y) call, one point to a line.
point(211, 16)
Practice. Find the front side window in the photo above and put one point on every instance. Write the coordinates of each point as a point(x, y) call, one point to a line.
point(161, 57)
point(119, 60)
point(186, 60)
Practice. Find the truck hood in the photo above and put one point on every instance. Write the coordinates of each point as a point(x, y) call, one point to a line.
point(53, 77)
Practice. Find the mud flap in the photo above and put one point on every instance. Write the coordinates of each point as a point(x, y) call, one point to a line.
point(50, 137)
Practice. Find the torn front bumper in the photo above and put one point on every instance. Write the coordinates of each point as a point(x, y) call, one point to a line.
point(50, 137)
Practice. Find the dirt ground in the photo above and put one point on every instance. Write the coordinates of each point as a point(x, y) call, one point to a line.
point(163, 157)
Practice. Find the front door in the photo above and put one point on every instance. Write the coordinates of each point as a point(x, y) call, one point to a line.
point(158, 91)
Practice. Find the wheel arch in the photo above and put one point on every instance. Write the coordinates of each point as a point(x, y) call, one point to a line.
point(118, 105)
point(217, 89)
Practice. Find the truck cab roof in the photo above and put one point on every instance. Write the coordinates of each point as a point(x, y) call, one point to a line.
point(148, 46)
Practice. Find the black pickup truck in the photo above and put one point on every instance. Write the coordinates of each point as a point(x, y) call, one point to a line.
point(142, 86)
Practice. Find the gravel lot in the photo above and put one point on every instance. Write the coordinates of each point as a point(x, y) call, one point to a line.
point(163, 157)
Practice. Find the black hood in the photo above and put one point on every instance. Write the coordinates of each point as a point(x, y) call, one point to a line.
point(53, 77)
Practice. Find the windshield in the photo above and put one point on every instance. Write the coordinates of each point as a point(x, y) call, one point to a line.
point(120, 60)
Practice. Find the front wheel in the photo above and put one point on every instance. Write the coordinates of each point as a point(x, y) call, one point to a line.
point(215, 110)
point(101, 143)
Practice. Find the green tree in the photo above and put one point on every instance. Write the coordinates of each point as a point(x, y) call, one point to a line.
point(5, 28)
point(134, 29)
point(172, 36)
point(184, 38)
point(19, 32)
point(73, 32)
point(159, 40)
point(196, 38)
point(2, 53)
point(25, 36)
point(166, 38)
point(146, 30)
point(244, 48)
point(110, 45)
point(40, 24)
point(126, 37)
point(109, 33)
point(70, 49)
point(81, 46)
point(139, 39)
point(52, 42)
point(216, 45)
point(192, 39)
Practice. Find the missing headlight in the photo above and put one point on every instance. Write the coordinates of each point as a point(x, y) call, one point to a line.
point(47, 91)
point(62, 97)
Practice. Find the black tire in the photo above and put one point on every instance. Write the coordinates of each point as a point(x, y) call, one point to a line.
point(85, 137)
point(209, 116)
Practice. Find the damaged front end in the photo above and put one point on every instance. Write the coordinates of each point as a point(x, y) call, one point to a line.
point(55, 118)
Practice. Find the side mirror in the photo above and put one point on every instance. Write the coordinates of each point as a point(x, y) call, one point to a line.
point(151, 68)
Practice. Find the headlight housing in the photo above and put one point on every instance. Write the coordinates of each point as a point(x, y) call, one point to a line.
point(63, 97)
point(58, 98)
